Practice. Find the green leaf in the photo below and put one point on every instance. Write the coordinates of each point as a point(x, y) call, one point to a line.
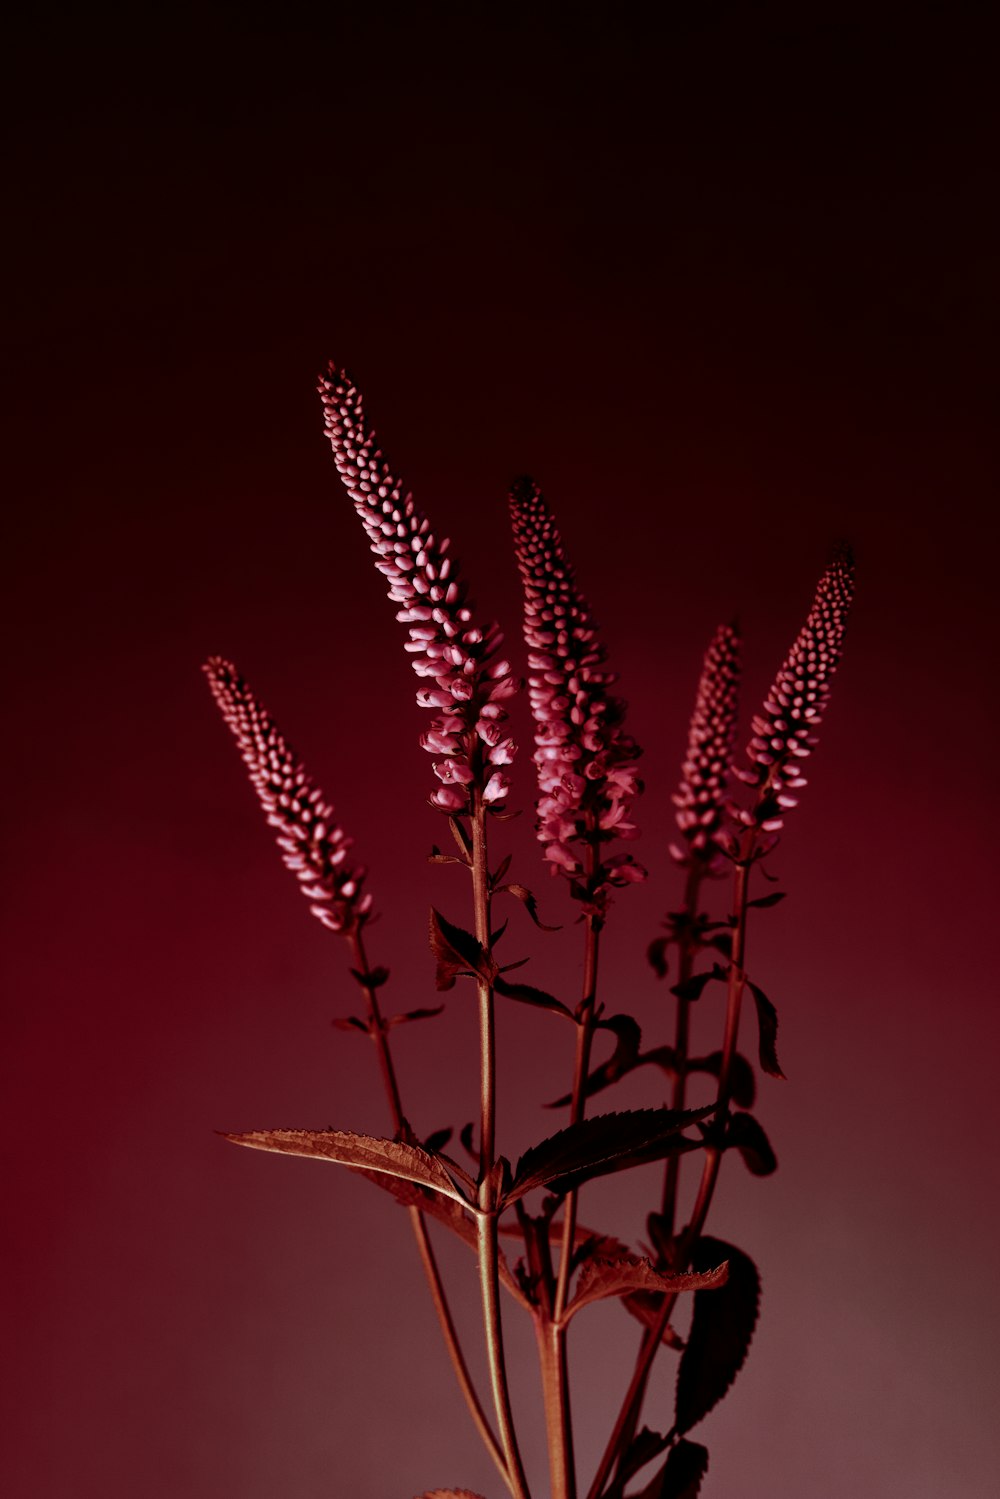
point(597, 1146)
point(747, 1136)
point(528, 995)
point(457, 952)
point(530, 904)
point(681, 1475)
point(767, 1023)
point(600, 1279)
point(721, 1330)
point(391, 1157)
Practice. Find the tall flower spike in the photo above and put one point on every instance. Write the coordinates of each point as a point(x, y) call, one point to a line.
point(467, 681)
point(313, 847)
point(699, 799)
point(584, 758)
point(783, 733)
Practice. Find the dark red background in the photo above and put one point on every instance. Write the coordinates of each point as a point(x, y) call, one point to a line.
point(727, 288)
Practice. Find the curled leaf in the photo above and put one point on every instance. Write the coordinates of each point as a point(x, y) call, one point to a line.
point(721, 1329)
point(457, 952)
point(656, 955)
point(600, 1279)
point(373, 979)
point(598, 1146)
point(767, 1024)
point(746, 1135)
point(623, 1059)
point(391, 1157)
point(693, 987)
point(742, 1085)
point(529, 995)
point(528, 901)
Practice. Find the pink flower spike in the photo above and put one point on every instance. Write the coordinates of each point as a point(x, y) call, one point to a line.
point(460, 657)
point(312, 846)
point(701, 795)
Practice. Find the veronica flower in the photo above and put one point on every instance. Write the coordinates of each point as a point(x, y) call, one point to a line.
point(784, 733)
point(699, 798)
point(584, 758)
point(467, 680)
point(312, 845)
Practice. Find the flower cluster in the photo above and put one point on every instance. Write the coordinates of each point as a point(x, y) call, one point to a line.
point(699, 798)
point(783, 734)
point(313, 847)
point(585, 760)
point(467, 680)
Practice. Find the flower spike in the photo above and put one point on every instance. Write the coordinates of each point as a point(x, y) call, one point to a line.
point(783, 733)
point(584, 758)
point(468, 682)
point(312, 845)
point(699, 799)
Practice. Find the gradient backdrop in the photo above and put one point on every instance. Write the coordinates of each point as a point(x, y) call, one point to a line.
point(727, 288)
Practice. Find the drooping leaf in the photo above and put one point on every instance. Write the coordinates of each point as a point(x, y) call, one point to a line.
point(764, 901)
point(600, 1279)
point(528, 901)
point(721, 1329)
point(373, 979)
point(437, 857)
point(438, 1139)
point(597, 1146)
point(656, 955)
point(642, 1449)
point(457, 952)
point(693, 987)
point(646, 1307)
point(745, 1134)
point(742, 1084)
point(350, 1023)
point(681, 1475)
point(767, 1022)
point(466, 1135)
point(527, 994)
point(391, 1157)
point(623, 1059)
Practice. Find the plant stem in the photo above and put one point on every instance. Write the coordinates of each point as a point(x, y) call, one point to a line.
point(678, 1098)
point(487, 1218)
point(631, 1405)
point(417, 1220)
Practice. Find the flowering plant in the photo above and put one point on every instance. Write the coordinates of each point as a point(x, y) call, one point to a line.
point(586, 766)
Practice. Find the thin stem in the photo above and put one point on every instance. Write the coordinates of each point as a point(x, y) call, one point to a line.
point(417, 1220)
point(629, 1412)
point(678, 1098)
point(488, 1216)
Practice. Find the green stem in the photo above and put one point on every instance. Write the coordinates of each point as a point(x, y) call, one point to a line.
point(488, 1216)
point(417, 1221)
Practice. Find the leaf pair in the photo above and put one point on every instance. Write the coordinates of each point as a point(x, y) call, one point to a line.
point(458, 953)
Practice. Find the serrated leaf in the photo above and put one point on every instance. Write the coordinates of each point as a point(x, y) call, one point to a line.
point(764, 901)
point(457, 952)
point(745, 1134)
point(692, 988)
point(527, 994)
point(409, 1015)
point(530, 904)
point(623, 1059)
point(742, 1084)
point(600, 1279)
point(598, 1146)
point(390, 1157)
point(722, 1327)
point(646, 1308)
point(681, 1475)
point(767, 1023)
point(452, 1214)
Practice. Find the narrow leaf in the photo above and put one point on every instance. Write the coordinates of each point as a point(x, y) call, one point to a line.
point(656, 954)
point(409, 1015)
point(641, 1450)
point(594, 1147)
point(767, 1022)
point(721, 1329)
point(623, 1059)
point(449, 1494)
point(528, 995)
point(462, 838)
point(350, 1023)
point(391, 1157)
point(374, 979)
point(747, 1136)
point(600, 1279)
point(530, 904)
point(764, 901)
point(457, 952)
point(438, 1140)
point(693, 987)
